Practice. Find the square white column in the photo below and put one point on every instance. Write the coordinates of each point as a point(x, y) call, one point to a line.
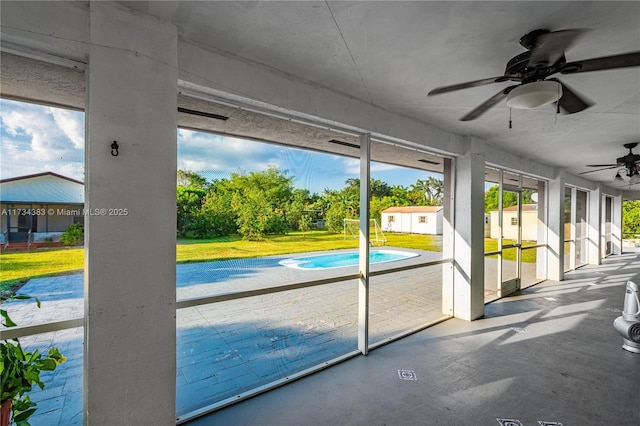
point(555, 228)
point(130, 257)
point(594, 217)
point(468, 273)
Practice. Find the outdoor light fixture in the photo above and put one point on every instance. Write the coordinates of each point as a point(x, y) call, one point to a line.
point(635, 178)
point(618, 178)
point(534, 94)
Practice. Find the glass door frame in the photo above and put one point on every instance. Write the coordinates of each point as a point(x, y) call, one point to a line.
point(508, 286)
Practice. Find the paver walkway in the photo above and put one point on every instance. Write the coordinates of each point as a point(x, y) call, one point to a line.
point(231, 347)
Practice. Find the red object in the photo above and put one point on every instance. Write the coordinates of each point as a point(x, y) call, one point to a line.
point(5, 412)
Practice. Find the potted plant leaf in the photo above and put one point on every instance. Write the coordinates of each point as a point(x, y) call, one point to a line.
point(20, 370)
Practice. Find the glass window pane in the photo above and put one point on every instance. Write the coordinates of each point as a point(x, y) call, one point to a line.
point(490, 278)
point(228, 348)
point(569, 254)
point(533, 268)
point(404, 300)
point(581, 228)
point(509, 264)
point(60, 402)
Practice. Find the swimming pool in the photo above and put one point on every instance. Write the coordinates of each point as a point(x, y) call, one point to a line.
point(340, 260)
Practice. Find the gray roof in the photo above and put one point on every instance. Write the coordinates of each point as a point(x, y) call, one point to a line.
point(45, 187)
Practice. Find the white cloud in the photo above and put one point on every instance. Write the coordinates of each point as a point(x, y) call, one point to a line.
point(36, 139)
point(203, 153)
point(352, 166)
point(71, 124)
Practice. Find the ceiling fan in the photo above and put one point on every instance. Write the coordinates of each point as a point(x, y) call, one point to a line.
point(543, 58)
point(629, 163)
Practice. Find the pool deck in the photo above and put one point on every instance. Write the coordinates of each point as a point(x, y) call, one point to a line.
point(227, 348)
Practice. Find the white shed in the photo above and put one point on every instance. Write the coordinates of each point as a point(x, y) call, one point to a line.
point(510, 220)
point(413, 219)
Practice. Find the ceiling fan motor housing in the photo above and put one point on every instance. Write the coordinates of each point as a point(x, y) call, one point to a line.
point(529, 40)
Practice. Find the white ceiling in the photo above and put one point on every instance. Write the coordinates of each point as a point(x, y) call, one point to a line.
point(392, 53)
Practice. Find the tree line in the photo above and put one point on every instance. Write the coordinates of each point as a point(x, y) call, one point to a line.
point(266, 202)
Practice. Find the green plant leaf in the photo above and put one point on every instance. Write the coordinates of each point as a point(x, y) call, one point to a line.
point(23, 416)
point(7, 320)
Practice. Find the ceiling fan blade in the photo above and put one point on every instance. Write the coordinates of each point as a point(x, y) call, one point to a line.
point(488, 104)
point(602, 165)
point(599, 170)
point(624, 60)
point(550, 47)
point(469, 84)
point(570, 102)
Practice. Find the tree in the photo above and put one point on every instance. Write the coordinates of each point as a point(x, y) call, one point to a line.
point(430, 189)
point(191, 179)
point(631, 217)
point(189, 201)
point(492, 200)
point(190, 191)
point(340, 205)
point(217, 216)
point(260, 201)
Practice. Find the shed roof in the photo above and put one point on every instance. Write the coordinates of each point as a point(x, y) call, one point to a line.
point(45, 187)
point(413, 209)
point(525, 208)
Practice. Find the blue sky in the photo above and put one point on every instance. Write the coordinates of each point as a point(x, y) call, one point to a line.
point(35, 139)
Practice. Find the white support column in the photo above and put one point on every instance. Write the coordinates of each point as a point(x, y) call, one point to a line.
point(363, 281)
point(594, 216)
point(555, 228)
point(130, 262)
point(469, 234)
point(616, 225)
point(542, 231)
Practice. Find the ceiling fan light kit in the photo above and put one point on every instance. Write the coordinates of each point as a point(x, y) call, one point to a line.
point(534, 95)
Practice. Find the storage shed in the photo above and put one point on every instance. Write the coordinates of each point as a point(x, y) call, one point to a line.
point(413, 219)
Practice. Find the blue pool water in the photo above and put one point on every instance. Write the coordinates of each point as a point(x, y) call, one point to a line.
point(339, 260)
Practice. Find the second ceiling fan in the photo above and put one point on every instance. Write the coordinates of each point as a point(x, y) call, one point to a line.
point(532, 69)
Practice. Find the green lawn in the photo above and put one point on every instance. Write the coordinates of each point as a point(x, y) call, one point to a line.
point(17, 267)
point(528, 256)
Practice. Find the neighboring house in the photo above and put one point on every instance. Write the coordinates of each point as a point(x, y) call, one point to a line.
point(413, 219)
point(39, 207)
point(510, 220)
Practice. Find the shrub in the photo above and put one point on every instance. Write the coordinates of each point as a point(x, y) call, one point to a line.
point(74, 235)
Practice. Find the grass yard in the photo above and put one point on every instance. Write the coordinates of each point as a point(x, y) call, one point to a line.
point(528, 256)
point(18, 267)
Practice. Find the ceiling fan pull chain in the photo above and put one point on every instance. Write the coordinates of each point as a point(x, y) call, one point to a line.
point(510, 118)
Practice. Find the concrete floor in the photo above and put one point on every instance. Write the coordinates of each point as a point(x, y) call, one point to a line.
point(546, 356)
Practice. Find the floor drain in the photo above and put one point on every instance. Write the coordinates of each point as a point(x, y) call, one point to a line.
point(407, 375)
point(509, 422)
